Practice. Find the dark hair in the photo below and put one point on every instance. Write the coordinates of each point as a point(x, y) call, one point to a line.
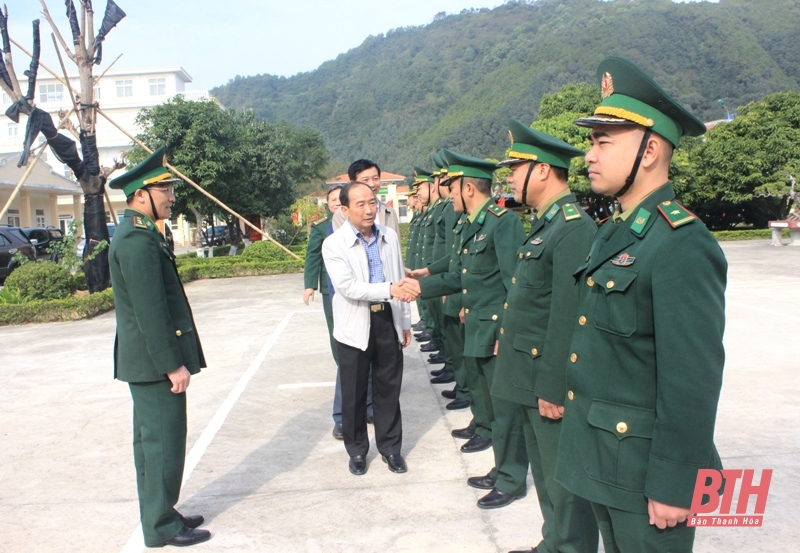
point(344, 195)
point(332, 188)
point(561, 173)
point(361, 165)
point(129, 198)
point(484, 186)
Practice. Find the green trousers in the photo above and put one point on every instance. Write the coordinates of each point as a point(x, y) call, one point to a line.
point(159, 452)
point(479, 373)
point(327, 306)
point(510, 470)
point(625, 532)
point(453, 334)
point(434, 308)
point(569, 523)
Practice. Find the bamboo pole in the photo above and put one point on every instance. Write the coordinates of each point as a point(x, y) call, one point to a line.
point(198, 187)
point(25, 176)
point(111, 207)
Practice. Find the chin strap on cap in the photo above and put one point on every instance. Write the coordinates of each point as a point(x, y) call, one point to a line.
point(636, 164)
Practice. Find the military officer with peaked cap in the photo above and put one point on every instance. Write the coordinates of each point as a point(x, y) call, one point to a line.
point(538, 319)
point(156, 351)
point(421, 177)
point(644, 369)
point(488, 253)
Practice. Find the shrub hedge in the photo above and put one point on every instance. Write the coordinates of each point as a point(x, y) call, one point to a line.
point(43, 280)
point(747, 234)
point(70, 309)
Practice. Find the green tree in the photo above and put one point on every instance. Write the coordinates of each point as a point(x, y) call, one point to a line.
point(742, 171)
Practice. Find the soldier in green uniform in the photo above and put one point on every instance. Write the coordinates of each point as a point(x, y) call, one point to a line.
point(421, 177)
point(487, 259)
point(644, 369)
point(538, 320)
point(315, 277)
point(156, 350)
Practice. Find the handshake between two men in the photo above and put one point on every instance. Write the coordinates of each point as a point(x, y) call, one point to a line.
point(408, 289)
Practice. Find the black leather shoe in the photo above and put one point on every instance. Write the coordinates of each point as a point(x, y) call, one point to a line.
point(396, 463)
point(448, 394)
point(431, 346)
point(496, 499)
point(418, 327)
point(463, 433)
point(436, 359)
point(358, 465)
point(337, 431)
point(445, 378)
point(481, 482)
point(192, 521)
point(458, 403)
point(532, 550)
point(187, 536)
point(476, 443)
point(422, 337)
point(437, 372)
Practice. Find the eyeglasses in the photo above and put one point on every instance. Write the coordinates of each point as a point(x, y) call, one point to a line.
point(168, 190)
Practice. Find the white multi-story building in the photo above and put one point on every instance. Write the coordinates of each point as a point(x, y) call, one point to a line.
point(122, 94)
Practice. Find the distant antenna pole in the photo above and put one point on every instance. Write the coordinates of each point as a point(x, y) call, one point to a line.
point(728, 116)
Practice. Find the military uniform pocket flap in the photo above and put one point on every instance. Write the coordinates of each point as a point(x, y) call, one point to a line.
point(489, 313)
point(528, 343)
point(614, 280)
point(478, 246)
point(531, 252)
point(182, 327)
point(622, 420)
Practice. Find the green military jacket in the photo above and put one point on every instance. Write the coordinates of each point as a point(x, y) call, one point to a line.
point(417, 243)
point(645, 366)
point(542, 305)
point(451, 261)
point(487, 258)
point(156, 333)
point(314, 274)
point(428, 232)
point(440, 229)
point(410, 240)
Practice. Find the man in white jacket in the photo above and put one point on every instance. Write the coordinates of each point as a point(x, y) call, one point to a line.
point(371, 326)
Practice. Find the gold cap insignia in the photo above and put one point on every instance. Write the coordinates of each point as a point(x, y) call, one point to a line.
point(607, 86)
point(511, 137)
point(164, 161)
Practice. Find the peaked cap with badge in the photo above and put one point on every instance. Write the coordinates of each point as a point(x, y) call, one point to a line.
point(460, 165)
point(528, 144)
point(422, 175)
point(631, 97)
point(152, 170)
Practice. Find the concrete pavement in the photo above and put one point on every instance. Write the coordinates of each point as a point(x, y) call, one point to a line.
point(264, 469)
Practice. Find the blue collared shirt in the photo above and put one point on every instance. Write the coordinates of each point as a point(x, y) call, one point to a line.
point(373, 255)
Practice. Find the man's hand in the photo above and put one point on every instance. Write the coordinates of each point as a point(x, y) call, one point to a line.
point(461, 315)
point(662, 515)
point(308, 294)
point(550, 410)
point(406, 338)
point(180, 380)
point(406, 290)
point(418, 273)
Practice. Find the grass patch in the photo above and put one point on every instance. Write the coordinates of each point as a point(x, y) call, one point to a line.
point(69, 309)
point(746, 234)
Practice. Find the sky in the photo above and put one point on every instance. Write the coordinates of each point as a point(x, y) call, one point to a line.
point(214, 41)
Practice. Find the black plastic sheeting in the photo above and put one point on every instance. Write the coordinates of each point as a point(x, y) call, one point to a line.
point(33, 71)
point(98, 275)
point(113, 15)
point(72, 15)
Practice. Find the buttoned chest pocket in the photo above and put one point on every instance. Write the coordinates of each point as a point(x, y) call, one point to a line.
point(479, 261)
point(168, 271)
point(615, 300)
point(530, 273)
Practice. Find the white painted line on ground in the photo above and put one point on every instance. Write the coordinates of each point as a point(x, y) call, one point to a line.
point(307, 385)
point(136, 541)
point(767, 311)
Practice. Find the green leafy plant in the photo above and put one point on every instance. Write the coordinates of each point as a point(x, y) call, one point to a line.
point(264, 250)
point(43, 280)
point(11, 297)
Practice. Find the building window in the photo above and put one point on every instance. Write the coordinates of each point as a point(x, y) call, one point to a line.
point(96, 93)
point(124, 88)
point(13, 130)
point(13, 217)
point(158, 87)
point(40, 218)
point(51, 93)
point(67, 172)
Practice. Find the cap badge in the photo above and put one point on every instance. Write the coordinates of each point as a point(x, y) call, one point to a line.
point(623, 260)
point(511, 137)
point(607, 85)
point(164, 161)
point(641, 221)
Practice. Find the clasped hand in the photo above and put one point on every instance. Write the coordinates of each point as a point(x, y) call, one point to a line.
point(406, 290)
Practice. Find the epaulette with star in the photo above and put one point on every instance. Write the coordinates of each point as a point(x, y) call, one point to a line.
point(570, 212)
point(675, 214)
point(139, 222)
point(496, 210)
point(315, 223)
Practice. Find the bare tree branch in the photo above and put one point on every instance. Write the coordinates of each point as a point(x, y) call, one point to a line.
point(53, 26)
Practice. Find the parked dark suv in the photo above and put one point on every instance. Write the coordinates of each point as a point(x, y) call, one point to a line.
point(12, 239)
point(215, 236)
point(44, 239)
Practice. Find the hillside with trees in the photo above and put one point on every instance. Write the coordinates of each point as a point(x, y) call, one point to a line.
point(399, 97)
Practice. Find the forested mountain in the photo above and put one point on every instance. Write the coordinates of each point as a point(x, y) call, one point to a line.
point(399, 97)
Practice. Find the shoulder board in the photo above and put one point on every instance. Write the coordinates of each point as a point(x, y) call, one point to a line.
point(570, 212)
point(323, 220)
point(139, 222)
point(642, 216)
point(675, 214)
point(552, 213)
point(495, 209)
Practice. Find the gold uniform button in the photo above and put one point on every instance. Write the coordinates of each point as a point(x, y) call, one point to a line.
point(464, 271)
point(582, 320)
point(622, 428)
point(466, 311)
point(571, 395)
point(590, 281)
point(505, 306)
point(464, 291)
point(520, 256)
point(534, 352)
point(529, 254)
point(610, 284)
point(502, 331)
point(178, 333)
point(574, 357)
point(514, 280)
point(465, 250)
point(494, 317)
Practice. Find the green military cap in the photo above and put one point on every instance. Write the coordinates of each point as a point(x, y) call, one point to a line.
point(444, 180)
point(531, 145)
point(422, 175)
point(460, 165)
point(631, 97)
point(152, 170)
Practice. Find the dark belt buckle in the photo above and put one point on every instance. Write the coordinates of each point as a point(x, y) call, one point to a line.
point(376, 307)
